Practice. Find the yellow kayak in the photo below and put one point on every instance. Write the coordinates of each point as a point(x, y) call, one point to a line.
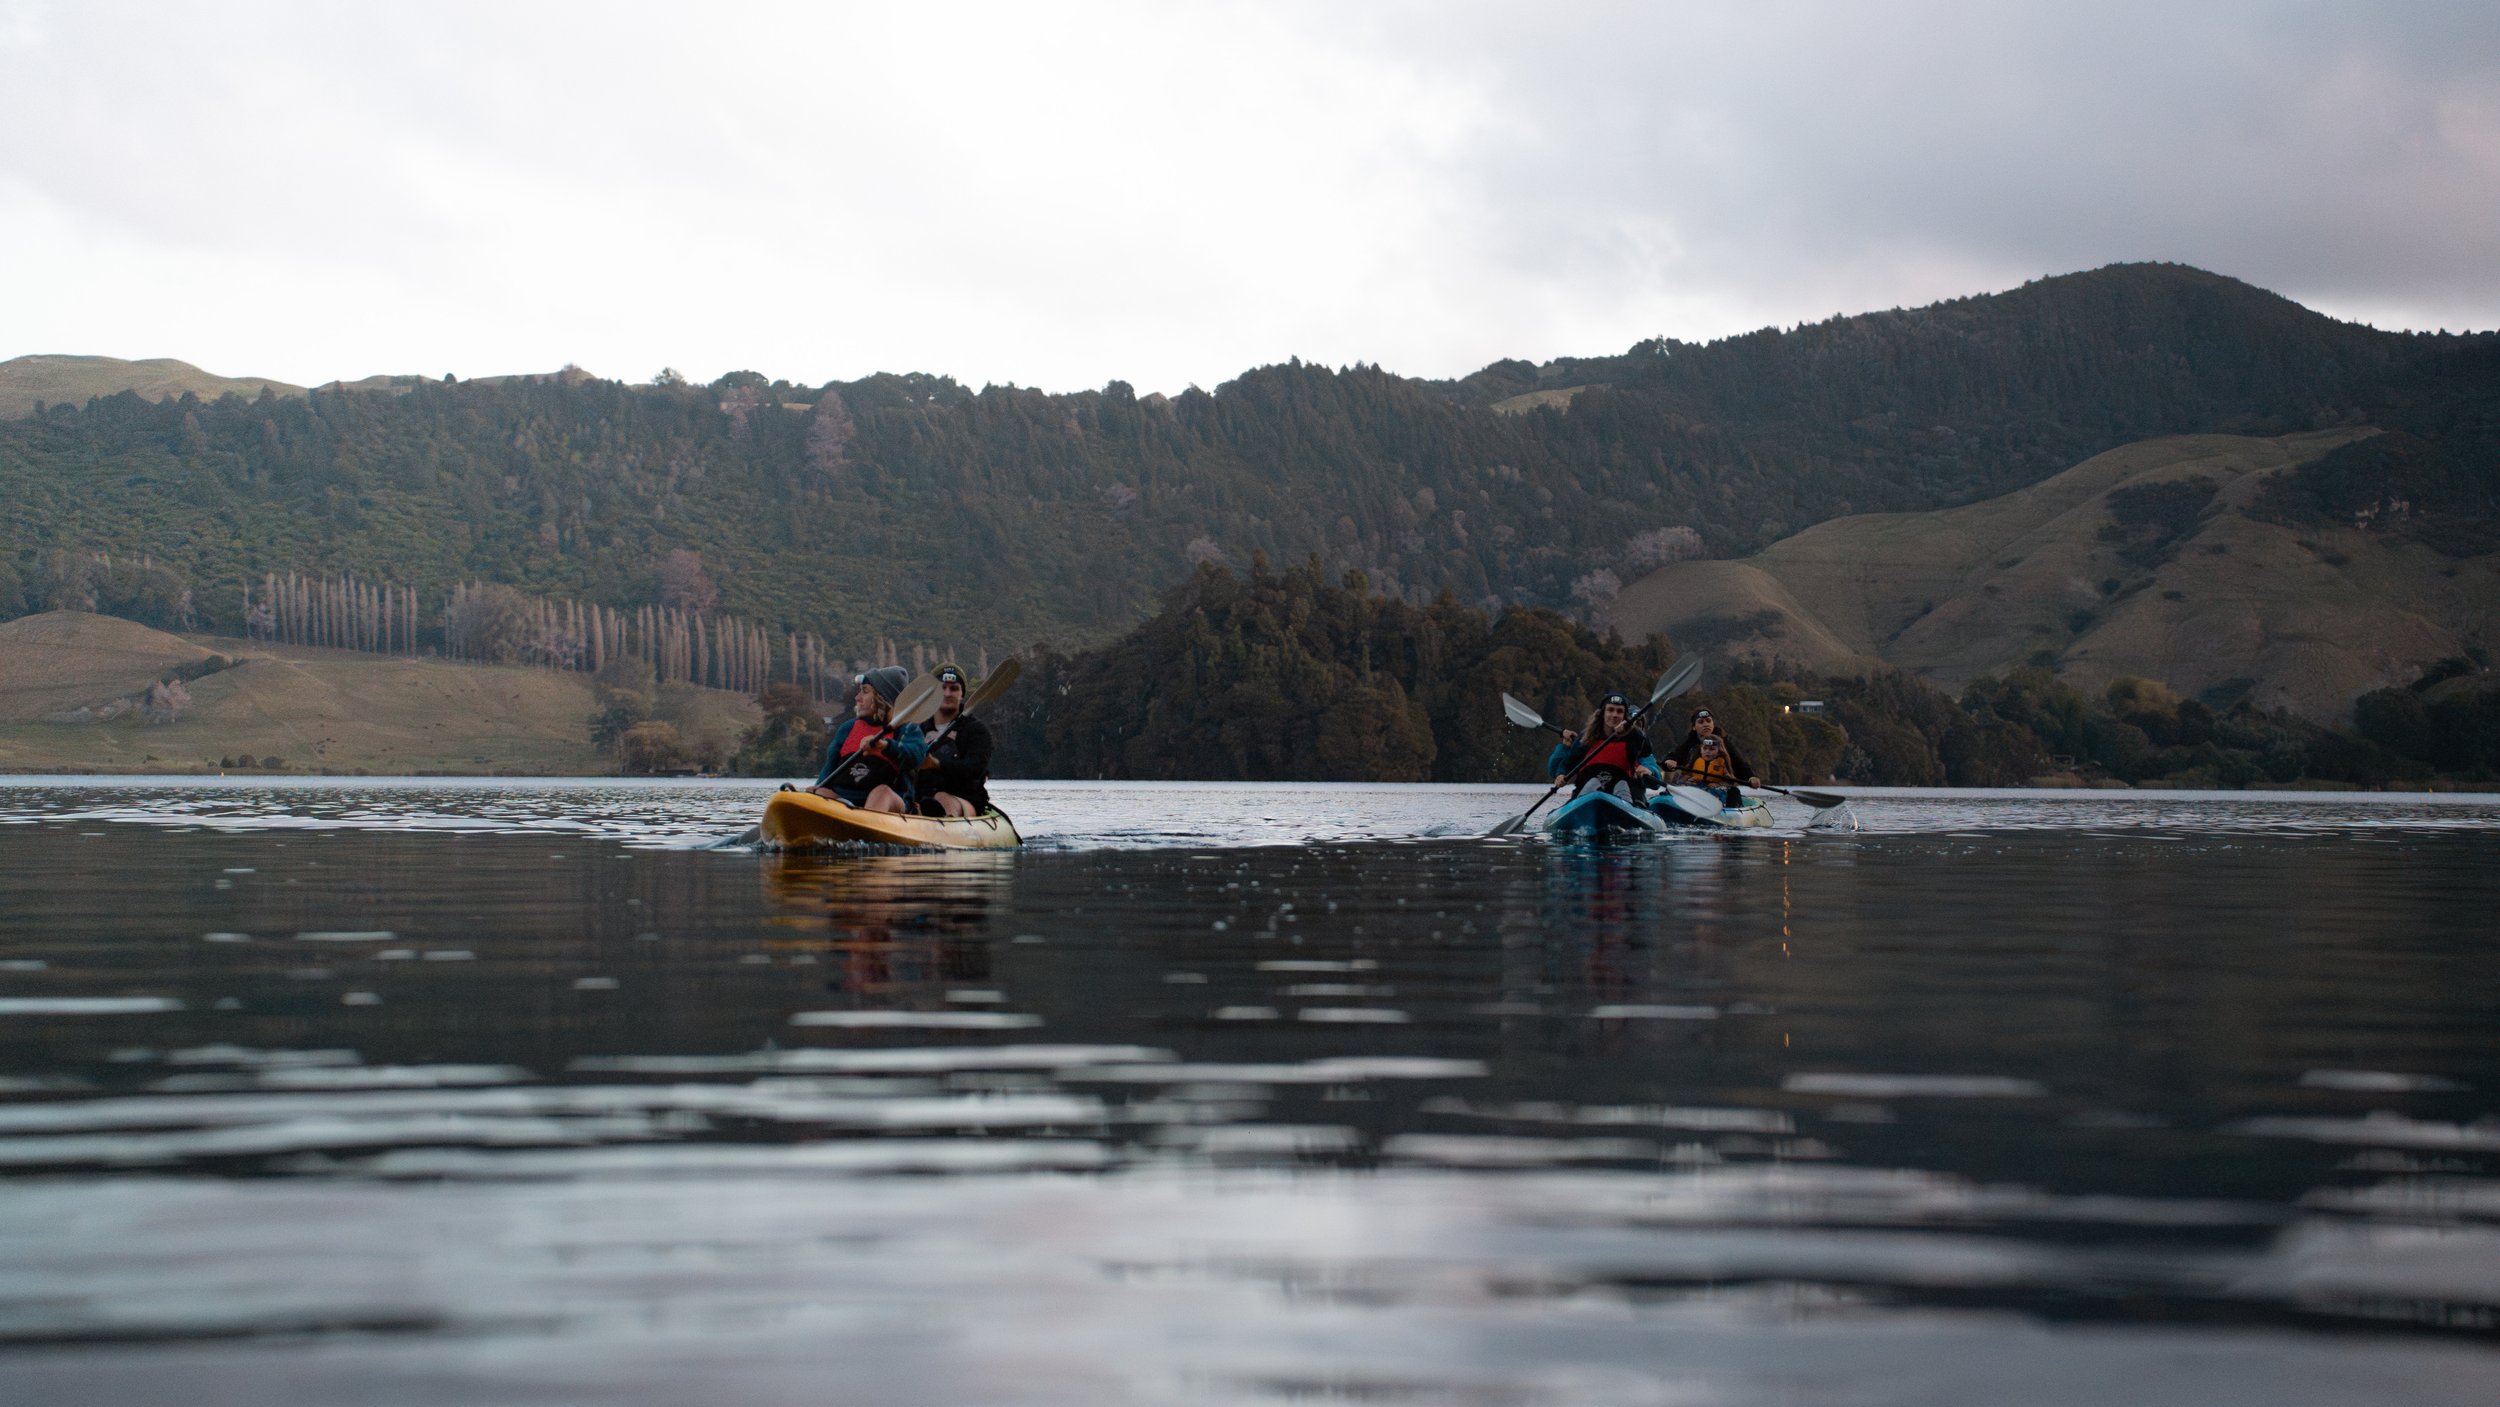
point(798, 819)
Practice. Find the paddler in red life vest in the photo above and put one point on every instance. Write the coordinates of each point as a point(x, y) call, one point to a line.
point(869, 762)
point(1616, 757)
point(1709, 760)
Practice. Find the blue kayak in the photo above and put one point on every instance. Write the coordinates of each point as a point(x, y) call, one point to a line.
point(1601, 813)
point(1755, 812)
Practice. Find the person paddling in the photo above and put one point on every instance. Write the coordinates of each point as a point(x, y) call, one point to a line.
point(956, 773)
point(1616, 755)
point(1710, 760)
point(869, 762)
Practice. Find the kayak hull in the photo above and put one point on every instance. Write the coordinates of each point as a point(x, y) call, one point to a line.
point(1755, 812)
point(1601, 813)
point(799, 820)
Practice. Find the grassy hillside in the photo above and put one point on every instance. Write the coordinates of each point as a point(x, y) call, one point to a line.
point(63, 380)
point(2142, 561)
point(911, 507)
point(318, 710)
point(64, 660)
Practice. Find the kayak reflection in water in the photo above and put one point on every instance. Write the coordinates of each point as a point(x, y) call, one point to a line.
point(1706, 759)
point(954, 778)
point(869, 762)
point(1616, 755)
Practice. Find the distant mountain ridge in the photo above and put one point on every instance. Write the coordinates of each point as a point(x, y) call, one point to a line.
point(913, 507)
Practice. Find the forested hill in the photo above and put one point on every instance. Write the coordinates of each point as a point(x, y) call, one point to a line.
point(915, 508)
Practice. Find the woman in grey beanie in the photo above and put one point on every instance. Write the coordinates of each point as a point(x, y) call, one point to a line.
point(869, 761)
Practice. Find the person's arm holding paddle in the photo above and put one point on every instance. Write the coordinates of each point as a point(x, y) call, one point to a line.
point(869, 760)
point(959, 771)
point(1564, 757)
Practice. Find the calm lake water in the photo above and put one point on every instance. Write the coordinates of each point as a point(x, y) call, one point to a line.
point(522, 1092)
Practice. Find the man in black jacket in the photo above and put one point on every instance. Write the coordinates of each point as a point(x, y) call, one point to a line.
point(954, 779)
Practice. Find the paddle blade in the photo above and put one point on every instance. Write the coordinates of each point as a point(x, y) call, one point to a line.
point(1693, 802)
point(918, 703)
point(1520, 714)
point(1819, 800)
point(1508, 825)
point(1682, 675)
point(1000, 681)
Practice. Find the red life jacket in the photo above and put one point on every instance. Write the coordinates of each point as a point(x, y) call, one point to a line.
point(1615, 753)
point(860, 771)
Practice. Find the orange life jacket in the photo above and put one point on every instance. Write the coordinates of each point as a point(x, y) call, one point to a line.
point(1712, 767)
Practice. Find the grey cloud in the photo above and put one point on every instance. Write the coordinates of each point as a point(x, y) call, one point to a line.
point(1169, 194)
point(2331, 152)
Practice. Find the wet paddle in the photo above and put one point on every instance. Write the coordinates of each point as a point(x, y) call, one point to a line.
point(1522, 716)
point(1703, 805)
point(1819, 800)
point(1683, 676)
point(1693, 801)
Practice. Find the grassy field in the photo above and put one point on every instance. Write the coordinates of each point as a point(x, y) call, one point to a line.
point(317, 710)
point(63, 380)
point(2235, 607)
point(1558, 397)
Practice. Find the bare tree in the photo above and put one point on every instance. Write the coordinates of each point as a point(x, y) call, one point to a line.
point(684, 585)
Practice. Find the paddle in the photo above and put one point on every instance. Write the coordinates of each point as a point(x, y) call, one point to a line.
point(1683, 676)
point(1000, 681)
point(918, 703)
point(1693, 802)
point(1523, 716)
point(1819, 800)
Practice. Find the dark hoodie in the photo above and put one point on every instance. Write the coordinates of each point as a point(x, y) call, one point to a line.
point(962, 762)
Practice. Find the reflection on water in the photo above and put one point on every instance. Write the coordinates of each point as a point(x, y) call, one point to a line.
point(480, 1093)
point(899, 928)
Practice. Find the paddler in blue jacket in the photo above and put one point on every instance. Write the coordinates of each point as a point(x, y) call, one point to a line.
point(869, 762)
point(1616, 756)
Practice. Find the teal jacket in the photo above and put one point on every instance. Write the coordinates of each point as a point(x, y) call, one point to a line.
point(904, 745)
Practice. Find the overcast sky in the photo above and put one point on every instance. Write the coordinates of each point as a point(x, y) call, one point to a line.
point(1061, 194)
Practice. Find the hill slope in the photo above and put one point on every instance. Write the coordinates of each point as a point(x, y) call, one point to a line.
point(2145, 560)
point(66, 380)
point(65, 660)
point(319, 710)
point(913, 507)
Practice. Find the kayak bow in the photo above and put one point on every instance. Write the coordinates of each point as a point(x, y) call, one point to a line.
point(1601, 813)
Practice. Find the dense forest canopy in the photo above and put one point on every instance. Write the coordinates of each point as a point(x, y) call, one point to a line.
point(1279, 676)
point(913, 508)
